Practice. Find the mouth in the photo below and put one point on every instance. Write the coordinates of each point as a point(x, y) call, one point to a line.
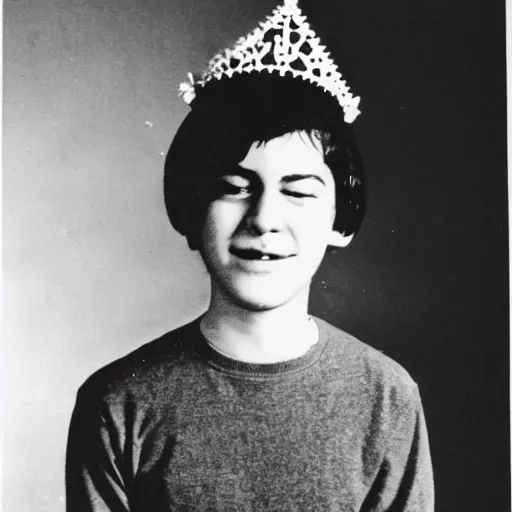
point(256, 255)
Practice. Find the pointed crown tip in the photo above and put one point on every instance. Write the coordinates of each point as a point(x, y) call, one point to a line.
point(270, 48)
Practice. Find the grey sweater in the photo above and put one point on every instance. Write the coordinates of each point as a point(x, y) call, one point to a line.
point(177, 426)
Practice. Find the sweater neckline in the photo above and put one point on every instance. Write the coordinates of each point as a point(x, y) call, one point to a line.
point(239, 368)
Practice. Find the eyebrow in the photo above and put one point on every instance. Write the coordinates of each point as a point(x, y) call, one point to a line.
point(289, 178)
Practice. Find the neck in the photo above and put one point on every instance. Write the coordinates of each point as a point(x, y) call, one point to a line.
point(269, 336)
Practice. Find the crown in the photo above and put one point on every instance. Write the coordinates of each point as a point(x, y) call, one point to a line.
point(283, 43)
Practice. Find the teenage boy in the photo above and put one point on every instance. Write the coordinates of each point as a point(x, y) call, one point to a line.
point(256, 405)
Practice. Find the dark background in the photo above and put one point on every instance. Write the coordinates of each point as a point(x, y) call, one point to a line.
point(92, 268)
point(428, 273)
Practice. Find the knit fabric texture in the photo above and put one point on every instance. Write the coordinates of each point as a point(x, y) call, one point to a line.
point(177, 426)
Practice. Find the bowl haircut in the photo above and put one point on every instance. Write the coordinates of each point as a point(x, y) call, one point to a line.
point(231, 114)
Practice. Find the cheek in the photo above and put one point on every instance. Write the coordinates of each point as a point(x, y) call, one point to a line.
point(315, 230)
point(321, 217)
point(220, 223)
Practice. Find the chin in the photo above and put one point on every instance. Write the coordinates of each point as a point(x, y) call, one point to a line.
point(259, 298)
point(255, 305)
point(258, 305)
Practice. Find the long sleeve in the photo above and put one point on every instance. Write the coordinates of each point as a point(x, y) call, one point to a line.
point(94, 480)
point(405, 481)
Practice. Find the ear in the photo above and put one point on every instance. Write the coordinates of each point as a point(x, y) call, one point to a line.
point(338, 239)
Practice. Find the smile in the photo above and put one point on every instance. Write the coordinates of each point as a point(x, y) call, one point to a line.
point(256, 255)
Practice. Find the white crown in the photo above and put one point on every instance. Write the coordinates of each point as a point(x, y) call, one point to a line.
point(283, 43)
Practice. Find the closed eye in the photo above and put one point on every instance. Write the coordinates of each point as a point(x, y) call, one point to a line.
point(294, 193)
point(302, 185)
point(234, 186)
point(233, 190)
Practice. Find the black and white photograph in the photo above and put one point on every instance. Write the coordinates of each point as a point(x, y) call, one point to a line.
point(255, 256)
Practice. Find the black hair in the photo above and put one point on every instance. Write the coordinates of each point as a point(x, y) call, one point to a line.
point(228, 116)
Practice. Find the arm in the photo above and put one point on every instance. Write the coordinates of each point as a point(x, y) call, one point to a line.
point(94, 480)
point(405, 481)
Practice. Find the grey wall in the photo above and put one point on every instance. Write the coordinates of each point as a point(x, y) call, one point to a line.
point(92, 269)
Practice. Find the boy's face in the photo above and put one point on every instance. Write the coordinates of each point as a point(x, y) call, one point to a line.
point(267, 229)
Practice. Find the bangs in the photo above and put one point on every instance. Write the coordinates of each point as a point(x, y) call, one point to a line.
point(259, 107)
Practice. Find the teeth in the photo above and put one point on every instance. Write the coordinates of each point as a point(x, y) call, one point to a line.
point(265, 257)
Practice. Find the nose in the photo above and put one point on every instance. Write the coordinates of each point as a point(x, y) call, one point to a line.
point(265, 213)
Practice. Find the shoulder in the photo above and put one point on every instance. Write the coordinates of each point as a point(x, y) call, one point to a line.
point(137, 373)
point(365, 367)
